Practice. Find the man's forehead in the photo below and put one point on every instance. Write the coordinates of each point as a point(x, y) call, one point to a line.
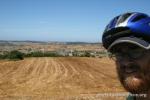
point(125, 47)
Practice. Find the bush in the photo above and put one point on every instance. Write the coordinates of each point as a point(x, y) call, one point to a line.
point(15, 55)
point(35, 54)
point(87, 54)
point(42, 54)
point(1, 56)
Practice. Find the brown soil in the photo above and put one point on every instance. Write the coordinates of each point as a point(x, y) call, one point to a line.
point(60, 78)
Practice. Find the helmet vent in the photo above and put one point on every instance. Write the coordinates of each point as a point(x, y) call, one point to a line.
point(123, 17)
point(139, 18)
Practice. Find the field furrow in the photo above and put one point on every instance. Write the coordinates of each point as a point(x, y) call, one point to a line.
point(58, 78)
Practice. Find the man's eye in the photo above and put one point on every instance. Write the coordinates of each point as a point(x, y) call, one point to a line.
point(135, 55)
point(136, 50)
point(118, 54)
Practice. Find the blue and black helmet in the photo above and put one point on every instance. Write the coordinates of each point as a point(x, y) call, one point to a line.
point(129, 27)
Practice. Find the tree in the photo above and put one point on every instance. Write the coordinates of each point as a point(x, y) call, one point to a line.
point(15, 55)
point(87, 54)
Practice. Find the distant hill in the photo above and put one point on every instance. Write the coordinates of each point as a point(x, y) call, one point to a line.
point(81, 43)
point(12, 43)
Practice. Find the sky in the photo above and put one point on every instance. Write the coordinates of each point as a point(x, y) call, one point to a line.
point(62, 20)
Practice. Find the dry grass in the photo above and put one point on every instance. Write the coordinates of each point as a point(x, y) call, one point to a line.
point(63, 78)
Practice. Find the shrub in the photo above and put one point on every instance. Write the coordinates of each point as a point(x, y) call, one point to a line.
point(87, 54)
point(14, 55)
point(42, 54)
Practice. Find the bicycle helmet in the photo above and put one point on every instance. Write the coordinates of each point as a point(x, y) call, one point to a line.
point(131, 27)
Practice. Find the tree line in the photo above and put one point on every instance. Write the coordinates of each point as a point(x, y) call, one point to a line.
point(17, 55)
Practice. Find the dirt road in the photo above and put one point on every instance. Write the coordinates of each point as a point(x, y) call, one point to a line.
point(64, 78)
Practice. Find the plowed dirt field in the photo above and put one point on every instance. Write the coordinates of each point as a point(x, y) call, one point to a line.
point(60, 78)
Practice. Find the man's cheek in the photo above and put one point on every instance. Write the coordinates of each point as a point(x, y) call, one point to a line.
point(118, 68)
point(146, 73)
point(119, 72)
point(118, 64)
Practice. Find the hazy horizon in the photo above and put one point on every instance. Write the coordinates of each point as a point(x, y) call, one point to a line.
point(49, 41)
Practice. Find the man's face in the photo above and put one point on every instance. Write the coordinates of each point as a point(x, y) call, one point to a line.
point(133, 67)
